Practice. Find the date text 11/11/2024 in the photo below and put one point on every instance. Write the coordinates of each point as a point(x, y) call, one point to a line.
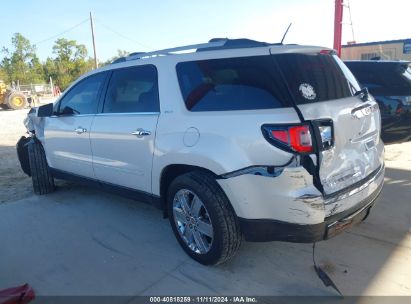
point(204, 299)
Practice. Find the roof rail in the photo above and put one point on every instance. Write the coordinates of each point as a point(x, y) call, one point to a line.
point(234, 44)
point(211, 44)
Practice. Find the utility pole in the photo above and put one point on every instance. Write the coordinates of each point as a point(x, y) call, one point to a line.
point(338, 17)
point(94, 41)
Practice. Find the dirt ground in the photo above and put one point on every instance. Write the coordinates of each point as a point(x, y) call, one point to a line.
point(14, 184)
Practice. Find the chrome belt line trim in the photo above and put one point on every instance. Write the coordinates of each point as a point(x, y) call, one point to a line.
point(107, 114)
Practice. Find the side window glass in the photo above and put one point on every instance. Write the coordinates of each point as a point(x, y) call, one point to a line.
point(245, 83)
point(132, 90)
point(83, 97)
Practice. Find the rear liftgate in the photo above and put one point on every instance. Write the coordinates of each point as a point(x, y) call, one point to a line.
point(339, 131)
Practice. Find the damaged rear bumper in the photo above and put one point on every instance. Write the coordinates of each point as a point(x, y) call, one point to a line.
point(289, 208)
point(264, 230)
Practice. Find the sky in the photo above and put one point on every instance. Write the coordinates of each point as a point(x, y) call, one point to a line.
point(135, 25)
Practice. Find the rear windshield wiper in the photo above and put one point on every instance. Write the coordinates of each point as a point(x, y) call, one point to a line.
point(363, 93)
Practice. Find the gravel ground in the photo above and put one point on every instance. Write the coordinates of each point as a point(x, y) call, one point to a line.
point(14, 184)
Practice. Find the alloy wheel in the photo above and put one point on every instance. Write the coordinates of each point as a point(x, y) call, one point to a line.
point(192, 221)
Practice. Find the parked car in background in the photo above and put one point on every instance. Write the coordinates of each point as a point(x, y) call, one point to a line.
point(238, 138)
point(390, 84)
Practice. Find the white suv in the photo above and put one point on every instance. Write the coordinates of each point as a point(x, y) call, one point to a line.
point(236, 140)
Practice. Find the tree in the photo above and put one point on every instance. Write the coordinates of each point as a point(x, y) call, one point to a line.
point(69, 63)
point(120, 53)
point(69, 50)
point(21, 62)
point(3, 74)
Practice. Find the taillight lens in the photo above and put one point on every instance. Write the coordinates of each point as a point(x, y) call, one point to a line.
point(296, 138)
point(281, 135)
point(300, 139)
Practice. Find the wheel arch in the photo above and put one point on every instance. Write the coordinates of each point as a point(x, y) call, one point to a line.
point(169, 173)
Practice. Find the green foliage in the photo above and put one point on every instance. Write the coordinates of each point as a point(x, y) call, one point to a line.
point(120, 53)
point(20, 63)
point(69, 63)
point(3, 74)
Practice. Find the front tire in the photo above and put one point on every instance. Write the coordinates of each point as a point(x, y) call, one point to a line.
point(202, 218)
point(43, 181)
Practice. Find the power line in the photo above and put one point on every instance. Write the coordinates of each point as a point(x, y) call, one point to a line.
point(66, 31)
point(122, 36)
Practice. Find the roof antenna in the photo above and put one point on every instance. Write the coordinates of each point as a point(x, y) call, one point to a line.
point(285, 34)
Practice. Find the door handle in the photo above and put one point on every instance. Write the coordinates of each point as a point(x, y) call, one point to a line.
point(80, 130)
point(140, 133)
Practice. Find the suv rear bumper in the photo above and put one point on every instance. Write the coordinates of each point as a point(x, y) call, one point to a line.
point(264, 230)
point(289, 208)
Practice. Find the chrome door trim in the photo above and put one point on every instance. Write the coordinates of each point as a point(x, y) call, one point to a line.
point(128, 113)
point(107, 114)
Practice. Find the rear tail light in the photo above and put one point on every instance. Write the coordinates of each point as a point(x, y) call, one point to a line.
point(299, 138)
point(294, 138)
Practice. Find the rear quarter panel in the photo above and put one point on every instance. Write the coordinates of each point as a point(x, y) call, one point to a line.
point(221, 142)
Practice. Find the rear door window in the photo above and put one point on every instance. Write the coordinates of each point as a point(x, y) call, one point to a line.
point(316, 77)
point(132, 90)
point(244, 83)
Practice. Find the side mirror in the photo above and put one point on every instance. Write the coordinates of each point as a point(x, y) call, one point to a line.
point(45, 111)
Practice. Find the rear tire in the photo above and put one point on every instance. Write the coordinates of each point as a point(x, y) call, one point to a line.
point(43, 181)
point(216, 211)
point(16, 101)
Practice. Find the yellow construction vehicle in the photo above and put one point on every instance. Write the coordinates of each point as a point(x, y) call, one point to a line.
point(11, 98)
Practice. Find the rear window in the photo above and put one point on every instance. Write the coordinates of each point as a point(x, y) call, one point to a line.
point(245, 83)
point(316, 77)
point(251, 83)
